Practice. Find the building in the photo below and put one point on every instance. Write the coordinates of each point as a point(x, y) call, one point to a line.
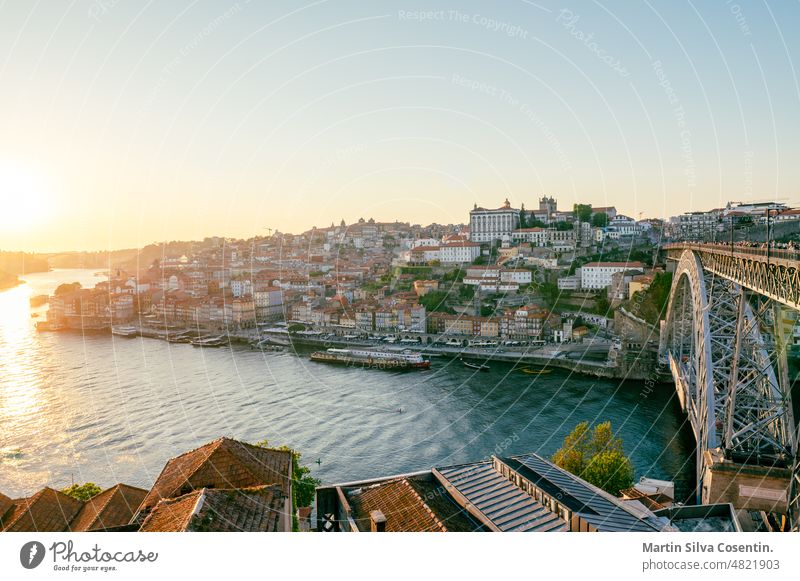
point(524, 324)
point(489, 225)
point(459, 252)
point(597, 275)
point(571, 282)
point(423, 287)
point(524, 493)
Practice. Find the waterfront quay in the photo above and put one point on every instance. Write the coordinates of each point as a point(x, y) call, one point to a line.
point(589, 357)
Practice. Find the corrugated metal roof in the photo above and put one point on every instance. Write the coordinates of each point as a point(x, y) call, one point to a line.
point(499, 502)
point(595, 506)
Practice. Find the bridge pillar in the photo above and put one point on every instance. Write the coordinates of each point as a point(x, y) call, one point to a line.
point(745, 486)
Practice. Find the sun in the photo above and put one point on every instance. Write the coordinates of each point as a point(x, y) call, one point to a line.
point(25, 198)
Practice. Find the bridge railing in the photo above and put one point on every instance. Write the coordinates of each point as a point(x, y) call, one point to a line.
point(720, 247)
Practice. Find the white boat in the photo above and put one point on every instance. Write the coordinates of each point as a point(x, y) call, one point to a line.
point(125, 331)
point(217, 341)
point(373, 358)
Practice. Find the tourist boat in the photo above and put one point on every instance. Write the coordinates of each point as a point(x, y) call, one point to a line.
point(126, 331)
point(217, 341)
point(280, 341)
point(373, 358)
point(479, 367)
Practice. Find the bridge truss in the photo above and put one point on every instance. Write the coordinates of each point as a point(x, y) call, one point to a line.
point(726, 348)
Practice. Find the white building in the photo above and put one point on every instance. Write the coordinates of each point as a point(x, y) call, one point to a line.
point(459, 252)
point(489, 225)
point(517, 275)
point(597, 275)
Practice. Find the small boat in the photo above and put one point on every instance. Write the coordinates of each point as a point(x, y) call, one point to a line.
point(126, 331)
point(482, 367)
point(217, 341)
point(530, 371)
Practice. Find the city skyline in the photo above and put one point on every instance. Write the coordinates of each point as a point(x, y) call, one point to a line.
point(125, 125)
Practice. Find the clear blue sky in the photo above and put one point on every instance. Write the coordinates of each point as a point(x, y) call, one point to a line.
point(127, 122)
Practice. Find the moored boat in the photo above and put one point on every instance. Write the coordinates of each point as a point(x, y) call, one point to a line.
point(217, 341)
point(373, 358)
point(479, 367)
point(531, 371)
point(125, 331)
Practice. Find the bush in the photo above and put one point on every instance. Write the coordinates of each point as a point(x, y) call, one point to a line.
point(82, 491)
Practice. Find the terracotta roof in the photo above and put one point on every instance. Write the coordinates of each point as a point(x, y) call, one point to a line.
point(255, 509)
point(5, 504)
point(46, 511)
point(111, 508)
point(404, 508)
point(625, 264)
point(223, 463)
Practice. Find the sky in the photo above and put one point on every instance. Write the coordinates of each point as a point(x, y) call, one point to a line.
point(125, 122)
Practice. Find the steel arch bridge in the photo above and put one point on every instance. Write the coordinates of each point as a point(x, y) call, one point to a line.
point(724, 337)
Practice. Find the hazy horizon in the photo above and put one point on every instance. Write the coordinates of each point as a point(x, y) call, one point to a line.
point(123, 124)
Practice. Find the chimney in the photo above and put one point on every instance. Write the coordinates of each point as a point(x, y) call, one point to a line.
point(377, 521)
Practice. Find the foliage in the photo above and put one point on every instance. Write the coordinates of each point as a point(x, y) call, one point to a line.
point(303, 484)
point(466, 292)
point(455, 275)
point(82, 491)
point(549, 292)
point(535, 223)
point(601, 305)
point(597, 457)
point(583, 212)
point(67, 288)
point(522, 222)
point(435, 301)
point(564, 226)
point(600, 220)
point(479, 261)
point(296, 327)
point(651, 304)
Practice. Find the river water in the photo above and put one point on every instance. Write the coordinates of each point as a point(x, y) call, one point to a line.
point(108, 409)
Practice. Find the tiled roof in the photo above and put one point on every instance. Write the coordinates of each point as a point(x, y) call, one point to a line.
point(223, 463)
point(5, 505)
point(255, 509)
point(111, 508)
point(609, 264)
point(403, 507)
point(46, 511)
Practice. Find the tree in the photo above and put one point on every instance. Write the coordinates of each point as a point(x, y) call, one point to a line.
point(522, 221)
point(67, 288)
point(583, 212)
point(597, 457)
point(564, 226)
point(600, 220)
point(435, 301)
point(82, 491)
point(304, 486)
point(296, 328)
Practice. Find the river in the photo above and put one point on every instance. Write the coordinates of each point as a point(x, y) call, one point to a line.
point(108, 409)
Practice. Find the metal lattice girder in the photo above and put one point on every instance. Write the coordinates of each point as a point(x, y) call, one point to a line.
point(775, 275)
point(728, 358)
point(759, 418)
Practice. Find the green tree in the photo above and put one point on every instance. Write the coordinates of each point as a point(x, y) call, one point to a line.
point(597, 456)
point(435, 301)
point(82, 491)
point(522, 222)
point(564, 226)
point(296, 327)
point(583, 212)
point(600, 220)
point(304, 485)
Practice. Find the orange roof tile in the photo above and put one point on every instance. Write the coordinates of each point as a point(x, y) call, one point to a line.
point(223, 463)
point(254, 509)
point(403, 507)
point(111, 508)
point(46, 511)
